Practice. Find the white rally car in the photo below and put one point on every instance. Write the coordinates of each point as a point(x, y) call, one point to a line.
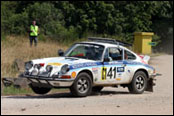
point(90, 66)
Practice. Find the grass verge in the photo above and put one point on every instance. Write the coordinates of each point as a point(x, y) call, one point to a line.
point(11, 90)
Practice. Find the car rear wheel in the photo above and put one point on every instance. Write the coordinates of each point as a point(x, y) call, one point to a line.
point(139, 83)
point(40, 90)
point(82, 86)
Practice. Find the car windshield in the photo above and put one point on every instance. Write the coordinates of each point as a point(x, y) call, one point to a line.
point(86, 51)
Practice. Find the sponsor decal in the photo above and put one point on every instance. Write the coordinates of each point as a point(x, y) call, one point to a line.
point(104, 71)
point(55, 64)
point(133, 63)
point(120, 69)
point(113, 63)
point(73, 74)
point(119, 75)
point(88, 64)
point(95, 70)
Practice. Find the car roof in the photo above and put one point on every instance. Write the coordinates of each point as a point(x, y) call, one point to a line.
point(109, 45)
point(104, 44)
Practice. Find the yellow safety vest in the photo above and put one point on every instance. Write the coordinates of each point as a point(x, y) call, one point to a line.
point(34, 30)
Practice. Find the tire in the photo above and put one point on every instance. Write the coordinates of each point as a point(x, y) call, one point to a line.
point(97, 89)
point(82, 86)
point(40, 90)
point(139, 83)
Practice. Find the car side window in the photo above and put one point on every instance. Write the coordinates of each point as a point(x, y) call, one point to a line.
point(106, 55)
point(113, 54)
point(129, 56)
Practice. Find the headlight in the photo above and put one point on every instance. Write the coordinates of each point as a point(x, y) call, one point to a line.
point(37, 66)
point(28, 65)
point(64, 69)
point(49, 68)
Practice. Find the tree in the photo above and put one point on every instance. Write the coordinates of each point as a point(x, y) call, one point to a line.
point(104, 18)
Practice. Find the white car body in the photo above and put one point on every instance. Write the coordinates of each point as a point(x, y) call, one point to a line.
point(102, 73)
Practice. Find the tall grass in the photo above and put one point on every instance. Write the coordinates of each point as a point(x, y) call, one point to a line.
point(11, 90)
point(17, 47)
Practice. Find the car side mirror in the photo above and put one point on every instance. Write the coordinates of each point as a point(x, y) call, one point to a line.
point(106, 59)
point(60, 52)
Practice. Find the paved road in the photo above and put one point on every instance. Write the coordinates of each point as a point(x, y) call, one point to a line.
point(110, 101)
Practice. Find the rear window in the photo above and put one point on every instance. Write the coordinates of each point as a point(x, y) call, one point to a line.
point(129, 56)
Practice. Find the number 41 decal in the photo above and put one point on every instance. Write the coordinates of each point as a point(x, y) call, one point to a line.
point(111, 73)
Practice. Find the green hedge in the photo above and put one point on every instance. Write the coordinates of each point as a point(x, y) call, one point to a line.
point(67, 21)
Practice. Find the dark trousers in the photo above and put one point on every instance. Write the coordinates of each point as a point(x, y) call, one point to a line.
point(33, 38)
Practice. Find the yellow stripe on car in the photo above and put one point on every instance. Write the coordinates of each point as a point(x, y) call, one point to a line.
point(55, 64)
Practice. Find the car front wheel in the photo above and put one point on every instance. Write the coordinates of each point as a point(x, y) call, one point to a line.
point(139, 83)
point(82, 86)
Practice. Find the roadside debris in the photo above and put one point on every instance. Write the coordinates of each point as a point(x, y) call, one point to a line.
point(23, 109)
point(15, 81)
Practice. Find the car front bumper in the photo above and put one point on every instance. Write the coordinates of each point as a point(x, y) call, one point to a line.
point(49, 81)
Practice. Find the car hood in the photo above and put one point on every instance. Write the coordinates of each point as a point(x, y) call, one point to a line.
point(59, 61)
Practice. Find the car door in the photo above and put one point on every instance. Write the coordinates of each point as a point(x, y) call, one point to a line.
point(129, 60)
point(113, 67)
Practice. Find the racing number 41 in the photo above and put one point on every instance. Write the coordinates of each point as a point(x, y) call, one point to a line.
point(111, 73)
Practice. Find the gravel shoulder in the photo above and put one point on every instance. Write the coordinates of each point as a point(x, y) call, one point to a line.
point(110, 101)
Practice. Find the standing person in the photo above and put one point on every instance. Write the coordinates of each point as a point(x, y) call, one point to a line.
point(33, 33)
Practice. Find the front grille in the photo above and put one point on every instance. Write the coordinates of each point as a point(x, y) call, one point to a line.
point(44, 74)
point(34, 72)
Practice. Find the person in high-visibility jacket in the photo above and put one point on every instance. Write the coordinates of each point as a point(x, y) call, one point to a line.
point(34, 29)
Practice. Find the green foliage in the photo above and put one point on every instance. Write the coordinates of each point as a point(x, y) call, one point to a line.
point(42, 37)
point(156, 39)
point(67, 21)
point(11, 90)
point(46, 16)
point(3, 37)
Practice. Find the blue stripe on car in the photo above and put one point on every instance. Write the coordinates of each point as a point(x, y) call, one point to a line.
point(91, 64)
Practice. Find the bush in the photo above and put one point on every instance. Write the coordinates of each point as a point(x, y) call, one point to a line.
point(156, 39)
point(46, 16)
